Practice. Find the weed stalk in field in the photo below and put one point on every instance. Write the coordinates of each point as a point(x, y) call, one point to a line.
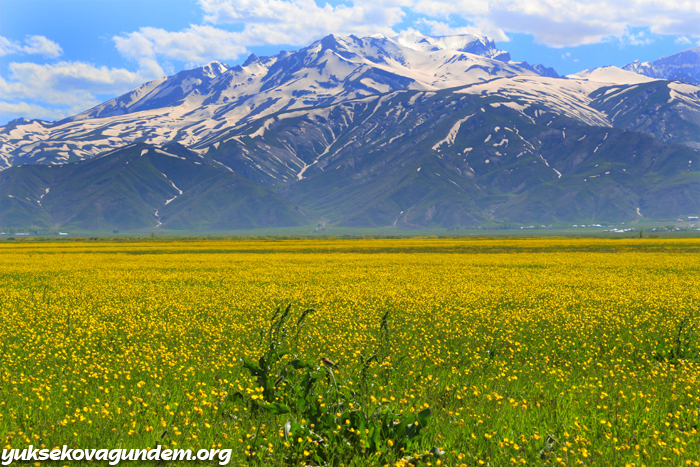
point(328, 421)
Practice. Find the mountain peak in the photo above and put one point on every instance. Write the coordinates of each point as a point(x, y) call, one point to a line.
point(329, 42)
point(19, 121)
point(214, 69)
point(251, 59)
point(470, 43)
point(681, 66)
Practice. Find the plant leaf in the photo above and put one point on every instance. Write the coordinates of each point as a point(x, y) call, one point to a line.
point(276, 409)
point(297, 364)
point(424, 417)
point(235, 397)
point(252, 367)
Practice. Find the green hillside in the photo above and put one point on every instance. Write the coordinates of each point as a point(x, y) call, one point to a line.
point(140, 186)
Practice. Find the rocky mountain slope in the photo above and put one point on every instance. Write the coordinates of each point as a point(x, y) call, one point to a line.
point(682, 66)
point(458, 157)
point(409, 159)
point(194, 107)
point(411, 131)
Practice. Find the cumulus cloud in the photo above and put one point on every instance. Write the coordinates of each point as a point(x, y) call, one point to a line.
point(59, 83)
point(263, 22)
point(66, 88)
point(32, 111)
point(630, 37)
point(482, 28)
point(560, 23)
point(683, 40)
point(300, 22)
point(194, 44)
point(38, 45)
point(557, 23)
point(300, 16)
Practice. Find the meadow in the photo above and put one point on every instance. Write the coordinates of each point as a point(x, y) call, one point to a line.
point(451, 352)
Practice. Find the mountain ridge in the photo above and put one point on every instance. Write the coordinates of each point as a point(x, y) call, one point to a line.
point(411, 132)
point(194, 105)
point(682, 66)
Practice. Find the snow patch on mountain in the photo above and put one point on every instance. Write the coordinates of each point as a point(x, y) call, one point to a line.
point(610, 74)
point(686, 93)
point(160, 151)
point(564, 96)
point(450, 138)
point(265, 126)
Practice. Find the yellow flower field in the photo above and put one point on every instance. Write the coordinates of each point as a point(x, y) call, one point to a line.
point(526, 351)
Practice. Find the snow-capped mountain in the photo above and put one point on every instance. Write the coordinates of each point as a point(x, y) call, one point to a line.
point(200, 107)
point(407, 159)
point(332, 69)
point(194, 107)
point(409, 131)
point(682, 66)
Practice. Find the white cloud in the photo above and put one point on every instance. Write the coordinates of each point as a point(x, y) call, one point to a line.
point(483, 28)
point(293, 22)
point(61, 82)
point(560, 23)
point(683, 40)
point(194, 44)
point(66, 88)
point(38, 45)
point(445, 9)
point(557, 23)
point(31, 111)
point(297, 16)
point(638, 38)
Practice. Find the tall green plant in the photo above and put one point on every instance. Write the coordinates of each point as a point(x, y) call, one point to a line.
point(326, 422)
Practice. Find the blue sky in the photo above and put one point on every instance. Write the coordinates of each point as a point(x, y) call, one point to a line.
point(59, 57)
